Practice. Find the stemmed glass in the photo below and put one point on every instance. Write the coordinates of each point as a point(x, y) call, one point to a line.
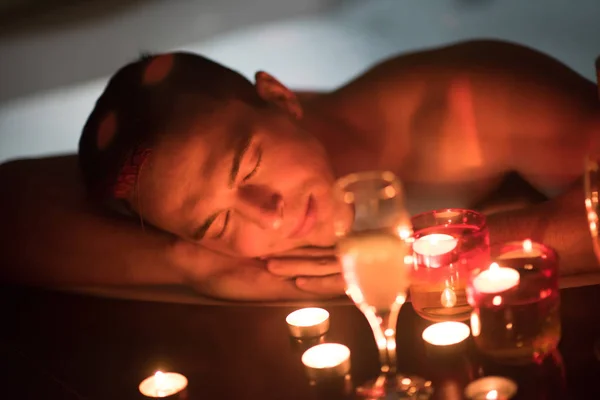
point(592, 187)
point(375, 258)
point(592, 205)
point(592, 181)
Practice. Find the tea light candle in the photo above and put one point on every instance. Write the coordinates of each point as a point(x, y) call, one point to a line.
point(433, 250)
point(326, 360)
point(163, 384)
point(446, 333)
point(496, 279)
point(308, 322)
point(491, 388)
point(528, 251)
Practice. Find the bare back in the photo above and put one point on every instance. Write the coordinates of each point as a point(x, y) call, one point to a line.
point(452, 122)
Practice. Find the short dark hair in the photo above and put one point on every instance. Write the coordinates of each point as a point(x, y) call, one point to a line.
point(142, 112)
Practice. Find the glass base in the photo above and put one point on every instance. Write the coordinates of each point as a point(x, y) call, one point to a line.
point(401, 387)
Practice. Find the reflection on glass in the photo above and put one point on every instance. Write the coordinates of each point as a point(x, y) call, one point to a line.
point(591, 183)
point(376, 263)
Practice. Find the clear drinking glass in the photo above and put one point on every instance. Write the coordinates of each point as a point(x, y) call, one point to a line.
point(376, 265)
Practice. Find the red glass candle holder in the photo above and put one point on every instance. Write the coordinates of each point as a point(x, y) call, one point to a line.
point(447, 245)
point(515, 318)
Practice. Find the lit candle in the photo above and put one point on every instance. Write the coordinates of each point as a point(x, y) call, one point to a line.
point(434, 250)
point(496, 279)
point(326, 360)
point(446, 333)
point(308, 322)
point(163, 384)
point(491, 388)
point(528, 251)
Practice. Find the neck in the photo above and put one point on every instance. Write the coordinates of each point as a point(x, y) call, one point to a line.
point(348, 148)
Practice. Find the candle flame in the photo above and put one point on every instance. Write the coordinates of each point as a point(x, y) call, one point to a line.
point(527, 245)
point(492, 395)
point(404, 232)
point(494, 266)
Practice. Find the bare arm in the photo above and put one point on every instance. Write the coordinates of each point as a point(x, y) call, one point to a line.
point(52, 237)
point(560, 223)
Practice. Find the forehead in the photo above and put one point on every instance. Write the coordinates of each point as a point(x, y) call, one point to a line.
point(188, 165)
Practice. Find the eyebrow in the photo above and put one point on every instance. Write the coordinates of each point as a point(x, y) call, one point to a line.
point(241, 144)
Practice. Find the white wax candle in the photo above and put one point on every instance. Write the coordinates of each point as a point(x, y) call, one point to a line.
point(327, 359)
point(305, 322)
point(446, 333)
point(163, 384)
point(528, 251)
point(496, 279)
point(491, 388)
point(434, 244)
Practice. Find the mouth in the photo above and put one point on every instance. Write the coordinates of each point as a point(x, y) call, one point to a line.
point(307, 220)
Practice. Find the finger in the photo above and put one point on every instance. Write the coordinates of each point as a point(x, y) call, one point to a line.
point(328, 285)
point(292, 267)
point(250, 283)
point(319, 252)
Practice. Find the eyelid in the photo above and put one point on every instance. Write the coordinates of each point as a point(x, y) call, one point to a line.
point(258, 153)
point(225, 225)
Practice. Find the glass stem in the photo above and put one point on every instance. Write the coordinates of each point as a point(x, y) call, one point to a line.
point(384, 330)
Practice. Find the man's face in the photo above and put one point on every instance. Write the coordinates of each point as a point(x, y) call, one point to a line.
point(248, 182)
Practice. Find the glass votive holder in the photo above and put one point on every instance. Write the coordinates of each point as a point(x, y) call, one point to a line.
point(516, 301)
point(448, 244)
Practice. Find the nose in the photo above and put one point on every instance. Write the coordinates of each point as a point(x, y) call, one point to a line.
point(261, 205)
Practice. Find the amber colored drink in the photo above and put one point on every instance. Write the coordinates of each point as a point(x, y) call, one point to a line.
point(438, 294)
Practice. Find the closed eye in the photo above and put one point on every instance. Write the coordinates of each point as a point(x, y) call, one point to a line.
point(256, 166)
point(225, 225)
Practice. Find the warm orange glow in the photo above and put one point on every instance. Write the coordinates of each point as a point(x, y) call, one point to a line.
point(163, 384)
point(307, 316)
point(527, 245)
point(492, 395)
point(326, 355)
point(435, 244)
point(496, 279)
point(446, 333)
point(448, 298)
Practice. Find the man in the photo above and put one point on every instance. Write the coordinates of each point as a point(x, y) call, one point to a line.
point(226, 179)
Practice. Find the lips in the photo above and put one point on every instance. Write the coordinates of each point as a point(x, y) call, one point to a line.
point(306, 221)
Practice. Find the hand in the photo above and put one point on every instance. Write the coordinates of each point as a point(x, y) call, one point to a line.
point(316, 270)
point(231, 278)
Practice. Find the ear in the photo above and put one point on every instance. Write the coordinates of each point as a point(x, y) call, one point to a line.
point(274, 92)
